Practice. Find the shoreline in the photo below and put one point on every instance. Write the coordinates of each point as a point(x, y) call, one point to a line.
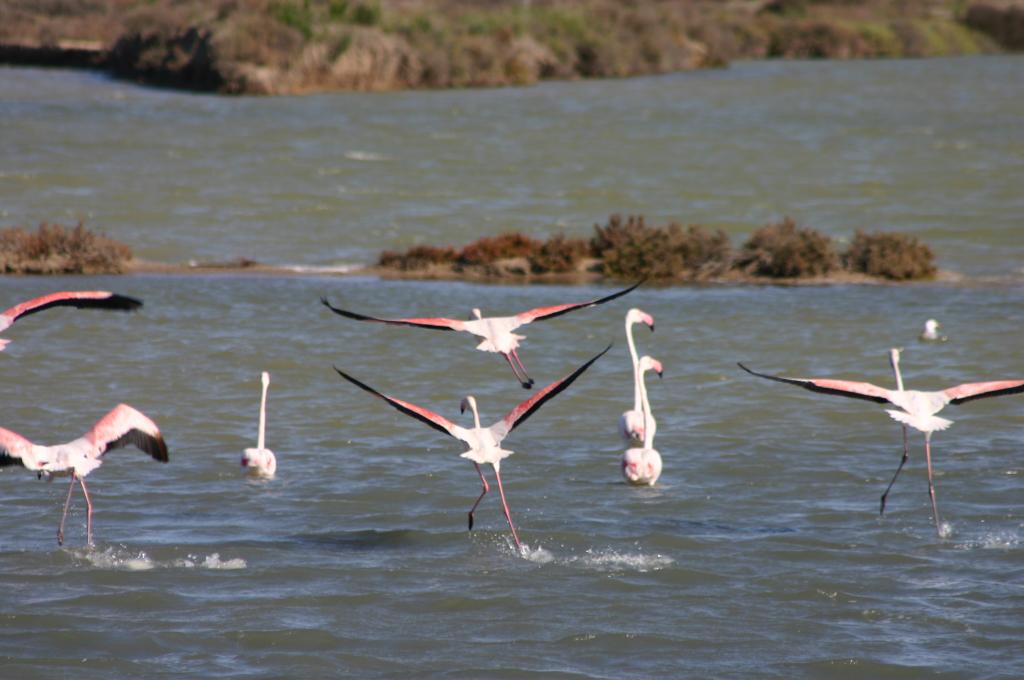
point(140, 266)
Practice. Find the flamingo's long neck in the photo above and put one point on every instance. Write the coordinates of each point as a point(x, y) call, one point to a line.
point(637, 378)
point(263, 415)
point(645, 405)
point(476, 416)
point(894, 359)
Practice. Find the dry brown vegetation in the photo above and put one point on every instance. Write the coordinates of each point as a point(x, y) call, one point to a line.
point(898, 257)
point(628, 248)
point(784, 250)
point(53, 249)
point(293, 46)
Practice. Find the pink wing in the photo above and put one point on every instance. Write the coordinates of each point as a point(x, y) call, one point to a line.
point(438, 422)
point(520, 413)
point(437, 323)
point(843, 388)
point(13, 448)
point(125, 426)
point(971, 391)
point(83, 299)
point(557, 310)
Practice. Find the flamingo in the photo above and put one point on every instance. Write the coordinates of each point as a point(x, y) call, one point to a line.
point(83, 299)
point(122, 426)
point(915, 408)
point(631, 424)
point(484, 443)
point(496, 331)
point(894, 361)
point(642, 465)
point(261, 460)
point(931, 332)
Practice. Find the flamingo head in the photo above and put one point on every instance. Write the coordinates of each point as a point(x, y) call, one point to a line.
point(468, 402)
point(648, 363)
point(265, 378)
point(636, 315)
point(261, 461)
point(894, 356)
point(475, 313)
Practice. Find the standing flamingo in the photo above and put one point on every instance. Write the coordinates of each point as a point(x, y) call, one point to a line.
point(496, 331)
point(83, 299)
point(121, 427)
point(915, 408)
point(642, 465)
point(484, 442)
point(261, 460)
point(631, 424)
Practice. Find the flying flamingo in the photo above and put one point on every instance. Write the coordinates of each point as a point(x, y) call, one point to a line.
point(261, 459)
point(484, 443)
point(496, 331)
point(915, 408)
point(642, 465)
point(894, 361)
point(83, 299)
point(631, 424)
point(121, 427)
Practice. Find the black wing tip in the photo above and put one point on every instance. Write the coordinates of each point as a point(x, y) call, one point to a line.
point(124, 302)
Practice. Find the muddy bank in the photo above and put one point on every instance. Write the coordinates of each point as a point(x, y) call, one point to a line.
point(299, 46)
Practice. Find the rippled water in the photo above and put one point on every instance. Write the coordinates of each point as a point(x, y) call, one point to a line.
point(759, 552)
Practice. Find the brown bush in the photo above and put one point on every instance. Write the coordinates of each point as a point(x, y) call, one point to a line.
point(559, 254)
point(783, 251)
point(53, 249)
point(899, 257)
point(631, 249)
point(491, 248)
point(417, 257)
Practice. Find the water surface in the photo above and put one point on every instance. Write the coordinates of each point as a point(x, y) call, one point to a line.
point(759, 552)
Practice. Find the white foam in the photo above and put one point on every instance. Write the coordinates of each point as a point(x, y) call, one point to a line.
point(945, 530)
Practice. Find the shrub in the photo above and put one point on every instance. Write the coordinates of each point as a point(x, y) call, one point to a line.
point(417, 257)
point(491, 248)
point(1004, 23)
point(559, 254)
point(53, 249)
point(701, 254)
point(632, 250)
point(898, 257)
point(783, 251)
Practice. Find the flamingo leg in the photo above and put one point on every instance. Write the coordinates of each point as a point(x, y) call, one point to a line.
point(482, 494)
point(504, 506)
point(903, 461)
point(88, 512)
point(67, 502)
point(529, 381)
point(524, 381)
point(931, 485)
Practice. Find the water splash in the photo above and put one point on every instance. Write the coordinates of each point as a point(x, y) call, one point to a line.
point(537, 555)
point(613, 560)
point(122, 559)
point(945, 530)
